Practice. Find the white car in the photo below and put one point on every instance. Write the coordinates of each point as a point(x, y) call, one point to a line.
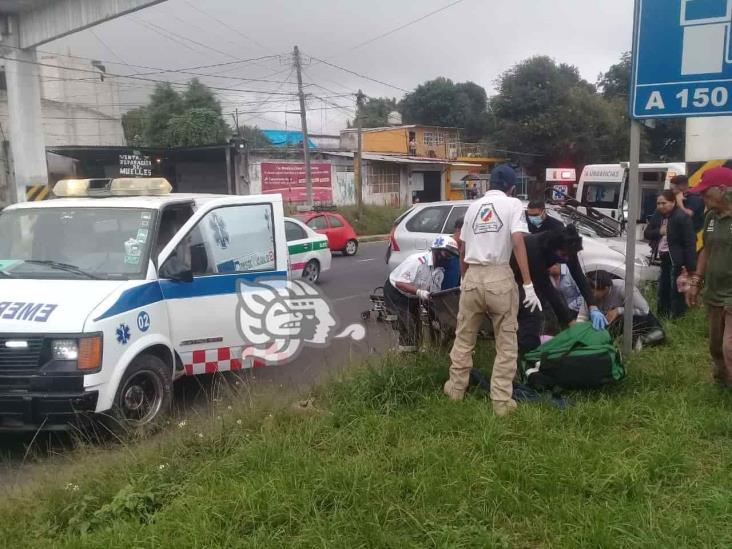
point(110, 293)
point(309, 252)
point(416, 229)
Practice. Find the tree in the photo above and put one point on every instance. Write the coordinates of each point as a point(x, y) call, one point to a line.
point(440, 102)
point(374, 111)
point(197, 127)
point(199, 96)
point(615, 83)
point(173, 119)
point(547, 109)
point(661, 140)
point(134, 126)
point(254, 137)
point(165, 102)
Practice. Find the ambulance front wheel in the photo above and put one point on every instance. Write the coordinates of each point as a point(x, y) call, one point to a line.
point(144, 395)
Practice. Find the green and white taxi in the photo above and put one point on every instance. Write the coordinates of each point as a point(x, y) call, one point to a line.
point(309, 252)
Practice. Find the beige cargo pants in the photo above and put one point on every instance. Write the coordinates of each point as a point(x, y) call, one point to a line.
point(491, 290)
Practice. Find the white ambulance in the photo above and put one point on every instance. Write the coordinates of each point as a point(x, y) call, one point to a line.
point(111, 292)
point(605, 188)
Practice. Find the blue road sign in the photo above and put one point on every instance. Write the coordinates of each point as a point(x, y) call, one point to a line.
point(682, 58)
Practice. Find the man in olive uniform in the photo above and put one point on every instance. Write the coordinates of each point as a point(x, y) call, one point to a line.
point(714, 269)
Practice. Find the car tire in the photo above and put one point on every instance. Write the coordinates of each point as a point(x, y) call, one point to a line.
point(143, 398)
point(351, 247)
point(311, 271)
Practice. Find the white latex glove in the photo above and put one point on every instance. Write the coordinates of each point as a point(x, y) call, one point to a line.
point(531, 301)
point(423, 295)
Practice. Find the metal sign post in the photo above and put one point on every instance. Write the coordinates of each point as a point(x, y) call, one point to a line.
point(633, 209)
point(682, 67)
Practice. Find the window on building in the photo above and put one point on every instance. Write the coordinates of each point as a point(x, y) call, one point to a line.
point(232, 239)
point(432, 138)
point(383, 177)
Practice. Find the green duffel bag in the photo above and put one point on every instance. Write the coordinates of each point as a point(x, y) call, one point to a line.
point(580, 357)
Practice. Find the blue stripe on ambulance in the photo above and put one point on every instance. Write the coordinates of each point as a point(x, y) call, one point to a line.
point(153, 292)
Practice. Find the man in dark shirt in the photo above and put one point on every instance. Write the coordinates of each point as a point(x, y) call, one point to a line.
point(691, 204)
point(544, 250)
point(538, 220)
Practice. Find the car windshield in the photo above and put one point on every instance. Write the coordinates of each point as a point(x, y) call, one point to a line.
point(601, 194)
point(586, 226)
point(74, 243)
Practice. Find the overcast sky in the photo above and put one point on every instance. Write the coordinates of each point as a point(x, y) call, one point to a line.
point(472, 40)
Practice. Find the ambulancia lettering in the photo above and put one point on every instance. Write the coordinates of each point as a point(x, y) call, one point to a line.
point(21, 310)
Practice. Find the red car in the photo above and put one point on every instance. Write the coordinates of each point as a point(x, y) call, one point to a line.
point(341, 236)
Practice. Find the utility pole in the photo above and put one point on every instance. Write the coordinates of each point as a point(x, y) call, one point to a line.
point(304, 121)
point(357, 165)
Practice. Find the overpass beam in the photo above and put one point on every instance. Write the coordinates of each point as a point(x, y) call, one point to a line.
point(25, 122)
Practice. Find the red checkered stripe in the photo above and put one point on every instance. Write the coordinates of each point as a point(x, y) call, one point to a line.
point(209, 361)
point(224, 359)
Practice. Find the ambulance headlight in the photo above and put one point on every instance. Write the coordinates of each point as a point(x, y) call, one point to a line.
point(86, 351)
point(65, 349)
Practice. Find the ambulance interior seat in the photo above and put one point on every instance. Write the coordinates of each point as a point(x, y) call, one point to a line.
point(199, 259)
point(171, 220)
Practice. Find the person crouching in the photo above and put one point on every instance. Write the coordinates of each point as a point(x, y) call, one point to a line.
point(413, 281)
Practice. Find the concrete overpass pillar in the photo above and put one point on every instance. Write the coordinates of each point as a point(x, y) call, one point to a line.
point(27, 141)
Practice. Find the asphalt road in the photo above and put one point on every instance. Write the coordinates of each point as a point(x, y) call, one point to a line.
point(347, 286)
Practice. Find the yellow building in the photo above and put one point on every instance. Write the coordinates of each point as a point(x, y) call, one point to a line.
point(444, 159)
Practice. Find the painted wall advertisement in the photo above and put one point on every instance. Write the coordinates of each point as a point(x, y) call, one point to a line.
point(288, 179)
point(135, 165)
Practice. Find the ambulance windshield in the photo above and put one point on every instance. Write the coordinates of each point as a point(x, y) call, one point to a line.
point(74, 243)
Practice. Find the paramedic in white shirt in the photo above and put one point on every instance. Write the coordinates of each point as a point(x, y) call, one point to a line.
point(415, 279)
point(493, 228)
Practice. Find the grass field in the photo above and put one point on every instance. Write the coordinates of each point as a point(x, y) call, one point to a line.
point(386, 461)
point(375, 220)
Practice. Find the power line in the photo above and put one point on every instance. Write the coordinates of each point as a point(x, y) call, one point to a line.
point(107, 46)
point(164, 34)
point(140, 78)
point(155, 70)
point(181, 37)
point(404, 26)
point(224, 24)
point(359, 74)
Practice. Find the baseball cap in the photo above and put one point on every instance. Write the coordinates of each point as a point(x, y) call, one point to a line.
point(503, 176)
point(714, 177)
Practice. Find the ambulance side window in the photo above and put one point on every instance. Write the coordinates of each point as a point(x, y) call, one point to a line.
point(231, 239)
point(171, 220)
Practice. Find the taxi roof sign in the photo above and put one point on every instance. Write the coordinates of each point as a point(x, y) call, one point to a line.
point(124, 186)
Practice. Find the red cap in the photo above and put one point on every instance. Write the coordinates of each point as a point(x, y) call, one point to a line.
point(714, 177)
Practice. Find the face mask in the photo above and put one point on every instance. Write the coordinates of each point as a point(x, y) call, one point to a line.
point(536, 220)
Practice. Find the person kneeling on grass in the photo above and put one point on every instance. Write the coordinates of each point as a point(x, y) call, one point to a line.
point(413, 281)
point(609, 296)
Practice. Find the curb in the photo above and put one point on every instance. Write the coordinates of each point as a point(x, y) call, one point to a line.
point(373, 238)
